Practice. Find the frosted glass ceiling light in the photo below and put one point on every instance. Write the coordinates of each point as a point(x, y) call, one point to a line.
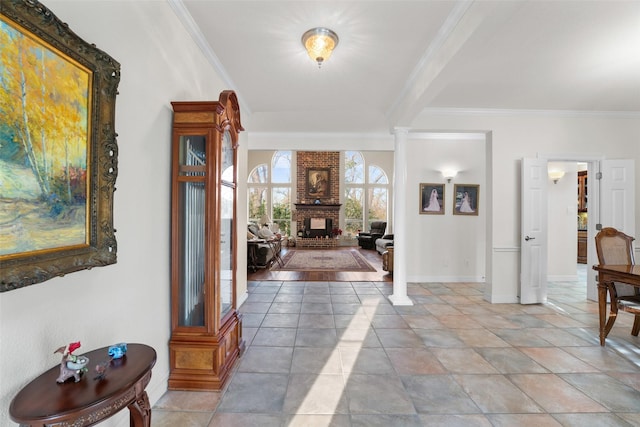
point(319, 43)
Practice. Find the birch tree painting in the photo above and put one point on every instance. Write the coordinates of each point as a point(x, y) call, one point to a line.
point(44, 134)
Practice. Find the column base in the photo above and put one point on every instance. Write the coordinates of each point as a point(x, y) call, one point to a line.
point(400, 300)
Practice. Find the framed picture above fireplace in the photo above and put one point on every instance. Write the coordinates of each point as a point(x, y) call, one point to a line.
point(318, 180)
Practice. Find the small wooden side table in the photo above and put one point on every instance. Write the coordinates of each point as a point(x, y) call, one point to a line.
point(45, 402)
point(387, 260)
point(276, 246)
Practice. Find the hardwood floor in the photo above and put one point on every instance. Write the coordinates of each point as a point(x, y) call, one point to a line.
point(373, 257)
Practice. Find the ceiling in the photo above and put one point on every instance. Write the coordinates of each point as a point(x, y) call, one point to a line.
point(397, 58)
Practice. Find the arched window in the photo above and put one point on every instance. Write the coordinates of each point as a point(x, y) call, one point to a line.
point(366, 194)
point(269, 192)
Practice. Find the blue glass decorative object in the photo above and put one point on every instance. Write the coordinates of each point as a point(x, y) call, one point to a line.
point(116, 351)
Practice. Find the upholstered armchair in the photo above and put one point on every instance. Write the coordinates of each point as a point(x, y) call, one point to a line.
point(368, 240)
point(383, 243)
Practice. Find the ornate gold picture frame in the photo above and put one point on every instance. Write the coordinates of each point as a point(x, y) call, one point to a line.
point(58, 148)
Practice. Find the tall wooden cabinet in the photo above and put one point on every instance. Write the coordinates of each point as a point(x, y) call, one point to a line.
point(583, 197)
point(206, 330)
point(582, 191)
point(582, 247)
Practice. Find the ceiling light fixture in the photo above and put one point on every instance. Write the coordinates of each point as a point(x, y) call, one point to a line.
point(319, 43)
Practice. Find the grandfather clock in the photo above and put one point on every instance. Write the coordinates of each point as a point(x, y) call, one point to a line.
point(206, 330)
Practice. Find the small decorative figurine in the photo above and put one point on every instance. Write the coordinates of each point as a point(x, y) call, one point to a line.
point(101, 370)
point(116, 351)
point(71, 365)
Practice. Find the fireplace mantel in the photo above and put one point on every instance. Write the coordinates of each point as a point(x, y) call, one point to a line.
point(317, 206)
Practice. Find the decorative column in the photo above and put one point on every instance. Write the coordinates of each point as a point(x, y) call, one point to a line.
point(399, 296)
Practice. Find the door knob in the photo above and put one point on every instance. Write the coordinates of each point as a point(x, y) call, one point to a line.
point(527, 238)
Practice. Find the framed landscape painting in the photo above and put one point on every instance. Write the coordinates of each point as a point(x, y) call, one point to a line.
point(466, 199)
point(432, 199)
point(58, 151)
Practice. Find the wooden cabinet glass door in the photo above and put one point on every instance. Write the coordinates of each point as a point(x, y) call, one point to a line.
point(190, 260)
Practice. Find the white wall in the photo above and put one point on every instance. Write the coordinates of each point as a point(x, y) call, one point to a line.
point(128, 301)
point(445, 248)
point(563, 224)
point(515, 135)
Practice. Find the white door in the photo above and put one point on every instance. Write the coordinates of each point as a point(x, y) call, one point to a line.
point(533, 239)
point(617, 195)
point(616, 203)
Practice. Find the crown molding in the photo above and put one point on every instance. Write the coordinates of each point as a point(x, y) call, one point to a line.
point(323, 135)
point(196, 34)
point(447, 135)
point(326, 141)
point(529, 112)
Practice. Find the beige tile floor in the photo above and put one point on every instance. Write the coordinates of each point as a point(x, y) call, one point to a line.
point(338, 354)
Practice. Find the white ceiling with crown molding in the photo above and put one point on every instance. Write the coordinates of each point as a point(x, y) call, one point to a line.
point(398, 58)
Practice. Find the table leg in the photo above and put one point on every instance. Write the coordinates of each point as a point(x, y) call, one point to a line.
point(253, 256)
point(140, 411)
point(602, 309)
point(275, 248)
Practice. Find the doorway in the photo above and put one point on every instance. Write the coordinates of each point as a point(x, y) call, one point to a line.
point(611, 201)
point(567, 201)
point(567, 211)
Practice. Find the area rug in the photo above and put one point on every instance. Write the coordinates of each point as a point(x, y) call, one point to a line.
point(321, 260)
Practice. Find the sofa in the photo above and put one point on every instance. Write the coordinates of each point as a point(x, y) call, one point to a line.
point(383, 243)
point(260, 253)
point(367, 240)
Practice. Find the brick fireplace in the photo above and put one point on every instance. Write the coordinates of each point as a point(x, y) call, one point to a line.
point(310, 207)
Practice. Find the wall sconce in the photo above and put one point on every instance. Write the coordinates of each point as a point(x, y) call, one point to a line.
point(449, 174)
point(555, 175)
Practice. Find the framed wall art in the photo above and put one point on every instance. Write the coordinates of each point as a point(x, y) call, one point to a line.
point(58, 150)
point(318, 183)
point(466, 198)
point(431, 199)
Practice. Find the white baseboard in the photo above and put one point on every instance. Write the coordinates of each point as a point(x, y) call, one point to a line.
point(242, 298)
point(155, 393)
point(502, 299)
point(445, 279)
point(563, 278)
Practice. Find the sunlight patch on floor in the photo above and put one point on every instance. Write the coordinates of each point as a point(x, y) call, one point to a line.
point(356, 336)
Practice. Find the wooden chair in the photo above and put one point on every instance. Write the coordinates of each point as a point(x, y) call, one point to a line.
point(616, 248)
